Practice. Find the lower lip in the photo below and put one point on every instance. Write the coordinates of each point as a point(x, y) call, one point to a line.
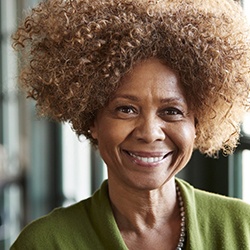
point(147, 164)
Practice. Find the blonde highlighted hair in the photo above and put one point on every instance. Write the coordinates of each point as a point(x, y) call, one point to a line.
point(75, 52)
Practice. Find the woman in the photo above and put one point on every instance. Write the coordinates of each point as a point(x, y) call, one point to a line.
point(147, 82)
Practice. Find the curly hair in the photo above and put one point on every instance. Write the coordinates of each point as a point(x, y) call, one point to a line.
point(75, 52)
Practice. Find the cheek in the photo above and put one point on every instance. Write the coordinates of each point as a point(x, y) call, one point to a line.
point(111, 134)
point(184, 137)
point(189, 137)
point(109, 145)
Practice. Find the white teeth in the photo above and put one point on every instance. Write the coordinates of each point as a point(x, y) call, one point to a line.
point(147, 159)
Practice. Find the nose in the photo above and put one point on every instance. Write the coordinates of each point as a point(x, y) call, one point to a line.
point(149, 129)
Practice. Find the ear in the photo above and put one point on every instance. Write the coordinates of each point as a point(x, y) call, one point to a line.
point(94, 131)
point(195, 122)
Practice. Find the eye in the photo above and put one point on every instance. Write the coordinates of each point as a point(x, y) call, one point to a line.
point(171, 113)
point(125, 112)
point(126, 109)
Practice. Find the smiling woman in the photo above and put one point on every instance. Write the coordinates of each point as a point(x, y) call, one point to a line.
point(147, 82)
point(148, 128)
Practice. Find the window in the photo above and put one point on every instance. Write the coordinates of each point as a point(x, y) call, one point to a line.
point(10, 195)
point(246, 138)
point(246, 160)
point(76, 169)
point(246, 175)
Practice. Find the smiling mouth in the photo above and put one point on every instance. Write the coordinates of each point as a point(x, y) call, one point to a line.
point(148, 159)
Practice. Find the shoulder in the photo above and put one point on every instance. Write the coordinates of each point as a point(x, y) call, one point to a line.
point(218, 221)
point(214, 202)
point(213, 209)
point(49, 230)
point(55, 230)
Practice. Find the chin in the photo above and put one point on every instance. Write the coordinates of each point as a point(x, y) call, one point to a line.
point(149, 184)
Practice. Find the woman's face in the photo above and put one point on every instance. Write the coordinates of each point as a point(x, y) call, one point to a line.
point(146, 132)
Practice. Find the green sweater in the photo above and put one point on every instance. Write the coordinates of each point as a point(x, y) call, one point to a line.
point(213, 222)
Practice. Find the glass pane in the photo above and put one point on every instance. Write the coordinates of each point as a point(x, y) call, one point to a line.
point(76, 182)
point(246, 175)
point(246, 6)
point(246, 125)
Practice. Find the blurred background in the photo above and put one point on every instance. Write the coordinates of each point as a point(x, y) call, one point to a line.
point(44, 165)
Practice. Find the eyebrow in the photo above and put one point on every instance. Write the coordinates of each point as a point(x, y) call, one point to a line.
point(172, 99)
point(129, 97)
point(137, 99)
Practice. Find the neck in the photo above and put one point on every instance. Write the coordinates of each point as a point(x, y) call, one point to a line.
point(140, 210)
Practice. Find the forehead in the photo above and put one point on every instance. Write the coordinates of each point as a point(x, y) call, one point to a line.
point(151, 68)
point(151, 77)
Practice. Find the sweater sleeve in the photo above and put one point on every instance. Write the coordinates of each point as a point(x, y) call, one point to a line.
point(37, 235)
point(64, 228)
point(89, 224)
